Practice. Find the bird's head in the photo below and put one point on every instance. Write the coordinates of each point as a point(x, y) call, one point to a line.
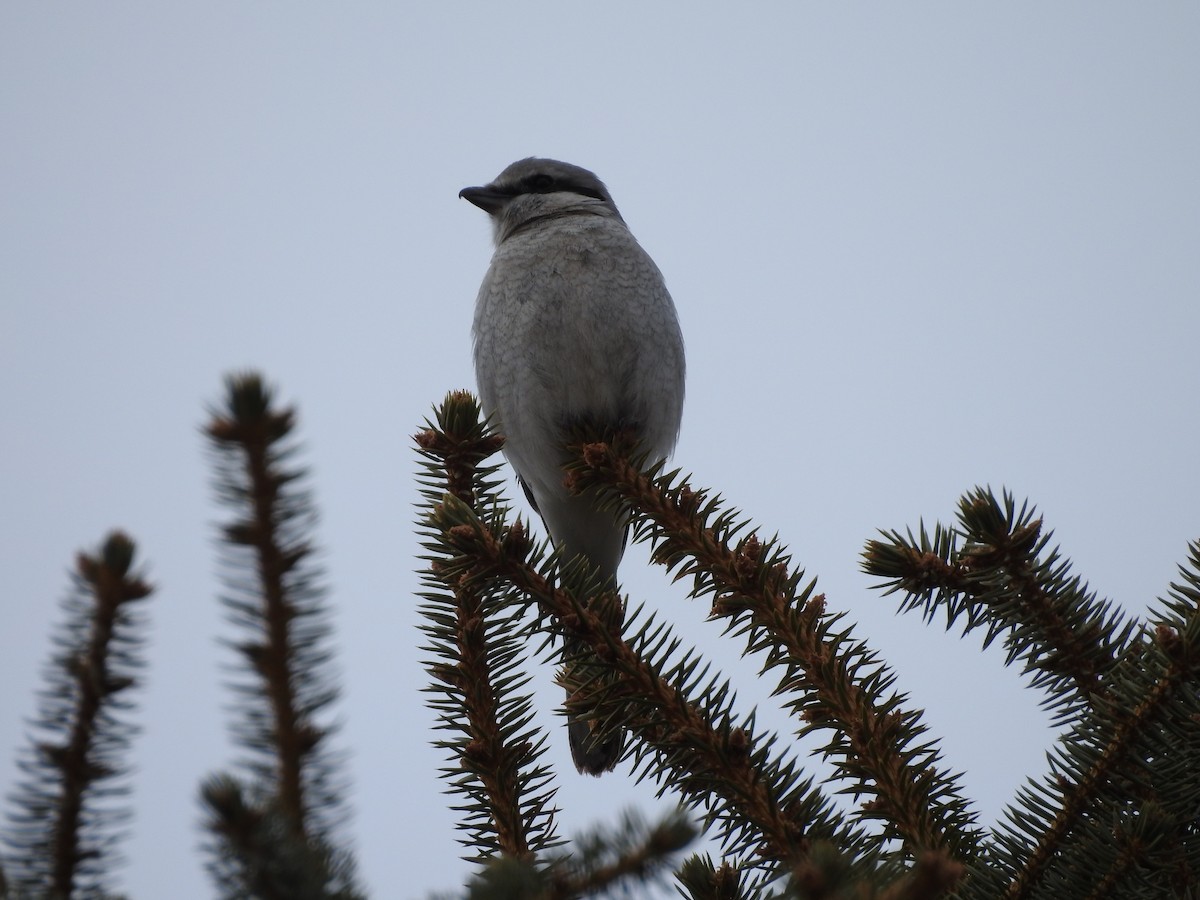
point(532, 189)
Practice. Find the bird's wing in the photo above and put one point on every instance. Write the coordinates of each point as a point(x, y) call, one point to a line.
point(529, 495)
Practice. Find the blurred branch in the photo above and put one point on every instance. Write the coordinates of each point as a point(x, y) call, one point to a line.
point(276, 597)
point(64, 833)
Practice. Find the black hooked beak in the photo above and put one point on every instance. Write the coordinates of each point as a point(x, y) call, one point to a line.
point(487, 198)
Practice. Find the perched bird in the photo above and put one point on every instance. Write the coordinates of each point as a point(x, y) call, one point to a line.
point(573, 325)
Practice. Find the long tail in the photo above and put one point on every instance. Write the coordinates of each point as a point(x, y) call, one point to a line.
point(592, 756)
point(580, 530)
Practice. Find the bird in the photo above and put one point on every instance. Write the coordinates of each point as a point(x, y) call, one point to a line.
point(573, 326)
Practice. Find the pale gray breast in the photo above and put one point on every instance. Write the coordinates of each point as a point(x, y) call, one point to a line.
point(574, 319)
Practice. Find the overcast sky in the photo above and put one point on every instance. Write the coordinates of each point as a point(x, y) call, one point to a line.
point(914, 248)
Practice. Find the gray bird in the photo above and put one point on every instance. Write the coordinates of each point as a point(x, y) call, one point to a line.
point(573, 324)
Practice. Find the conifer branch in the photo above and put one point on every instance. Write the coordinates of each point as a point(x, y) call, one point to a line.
point(827, 876)
point(759, 595)
point(1122, 799)
point(1132, 841)
point(627, 860)
point(933, 875)
point(1111, 773)
point(1117, 814)
point(1116, 758)
point(1003, 576)
point(258, 856)
point(603, 861)
point(476, 646)
point(276, 596)
point(64, 834)
point(701, 753)
point(489, 754)
point(456, 444)
point(247, 859)
point(700, 879)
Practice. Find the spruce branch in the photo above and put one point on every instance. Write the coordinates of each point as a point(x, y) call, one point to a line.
point(476, 651)
point(628, 859)
point(456, 443)
point(1095, 757)
point(633, 854)
point(65, 832)
point(841, 685)
point(1116, 815)
point(277, 599)
point(933, 875)
point(1118, 802)
point(826, 875)
point(997, 571)
point(1119, 808)
point(258, 856)
point(701, 879)
point(716, 765)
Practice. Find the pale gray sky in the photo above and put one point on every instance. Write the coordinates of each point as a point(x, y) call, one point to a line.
point(914, 248)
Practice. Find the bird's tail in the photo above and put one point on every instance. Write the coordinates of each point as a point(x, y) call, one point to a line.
point(591, 543)
point(593, 753)
point(584, 533)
